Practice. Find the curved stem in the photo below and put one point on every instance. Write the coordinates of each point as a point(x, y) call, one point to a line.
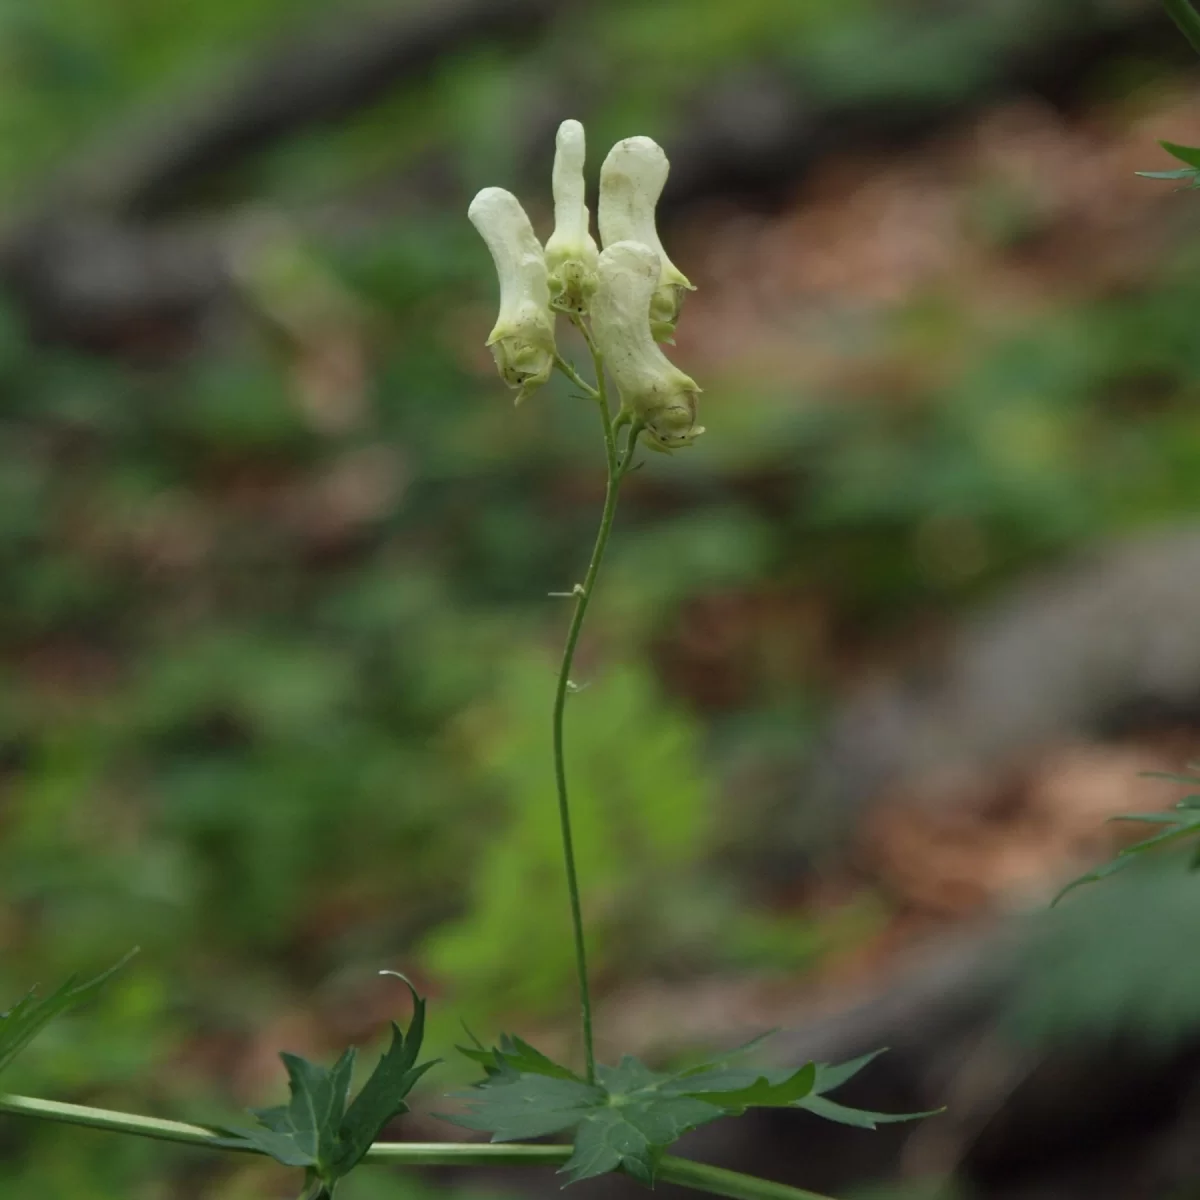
point(574, 376)
point(721, 1182)
point(617, 469)
point(1185, 16)
point(411, 1154)
point(600, 393)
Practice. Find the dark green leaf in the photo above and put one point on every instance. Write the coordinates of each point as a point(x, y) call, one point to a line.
point(305, 1132)
point(528, 1106)
point(628, 1076)
point(30, 1015)
point(729, 1055)
point(632, 1114)
point(631, 1135)
point(1186, 154)
point(282, 1147)
point(830, 1076)
point(763, 1092)
point(832, 1111)
point(1183, 822)
point(512, 1057)
point(316, 1129)
point(383, 1095)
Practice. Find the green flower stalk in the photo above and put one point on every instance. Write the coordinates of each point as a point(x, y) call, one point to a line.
point(522, 340)
point(570, 252)
point(631, 181)
point(654, 392)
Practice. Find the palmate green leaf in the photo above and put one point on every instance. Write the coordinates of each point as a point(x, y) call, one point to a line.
point(631, 1132)
point(316, 1129)
point(627, 1119)
point(31, 1014)
point(527, 1106)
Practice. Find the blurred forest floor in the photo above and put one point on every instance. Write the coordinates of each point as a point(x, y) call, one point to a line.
point(276, 547)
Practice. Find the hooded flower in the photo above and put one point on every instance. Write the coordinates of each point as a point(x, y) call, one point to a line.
point(653, 390)
point(631, 181)
point(522, 341)
point(570, 252)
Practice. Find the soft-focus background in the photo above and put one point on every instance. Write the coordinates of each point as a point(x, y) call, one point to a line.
point(870, 666)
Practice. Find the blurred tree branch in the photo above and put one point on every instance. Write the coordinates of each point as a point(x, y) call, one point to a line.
point(86, 266)
point(320, 77)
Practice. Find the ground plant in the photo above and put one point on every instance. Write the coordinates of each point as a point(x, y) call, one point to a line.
point(623, 299)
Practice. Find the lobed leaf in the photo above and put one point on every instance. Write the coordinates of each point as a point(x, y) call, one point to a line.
point(527, 1106)
point(316, 1129)
point(627, 1119)
point(631, 1133)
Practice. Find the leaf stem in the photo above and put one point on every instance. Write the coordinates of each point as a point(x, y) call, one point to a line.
point(1185, 16)
point(721, 1182)
point(618, 466)
point(574, 376)
point(699, 1176)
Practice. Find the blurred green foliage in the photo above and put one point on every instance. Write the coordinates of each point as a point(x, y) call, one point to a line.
point(278, 653)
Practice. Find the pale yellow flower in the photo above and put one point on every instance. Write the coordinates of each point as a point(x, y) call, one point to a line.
point(631, 181)
point(522, 341)
point(653, 390)
point(570, 252)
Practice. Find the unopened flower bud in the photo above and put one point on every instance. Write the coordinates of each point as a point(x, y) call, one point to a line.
point(522, 341)
point(570, 253)
point(653, 391)
point(631, 181)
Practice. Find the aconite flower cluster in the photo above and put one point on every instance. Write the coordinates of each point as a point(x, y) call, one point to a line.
point(625, 298)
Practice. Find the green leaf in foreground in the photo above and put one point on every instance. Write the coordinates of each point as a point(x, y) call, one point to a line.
point(514, 1056)
point(631, 1114)
point(1185, 154)
point(31, 1014)
point(316, 1129)
point(1181, 823)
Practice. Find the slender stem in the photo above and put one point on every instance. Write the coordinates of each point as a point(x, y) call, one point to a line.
point(721, 1182)
point(610, 441)
point(1185, 16)
point(617, 468)
point(574, 376)
point(114, 1122)
point(411, 1154)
